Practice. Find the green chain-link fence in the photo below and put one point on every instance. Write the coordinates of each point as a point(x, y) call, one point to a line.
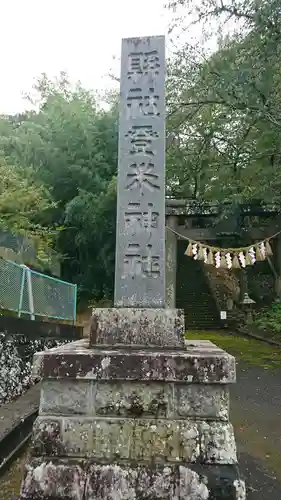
point(28, 292)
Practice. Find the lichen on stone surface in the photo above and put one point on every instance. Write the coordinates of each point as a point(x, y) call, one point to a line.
point(16, 353)
point(49, 480)
point(240, 489)
point(191, 486)
point(135, 439)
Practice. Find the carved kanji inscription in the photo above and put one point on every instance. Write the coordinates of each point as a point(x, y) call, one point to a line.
point(141, 140)
point(136, 220)
point(137, 263)
point(143, 64)
point(141, 103)
point(142, 176)
point(140, 235)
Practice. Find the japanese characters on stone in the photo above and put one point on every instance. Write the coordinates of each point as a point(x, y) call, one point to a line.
point(136, 220)
point(143, 64)
point(141, 175)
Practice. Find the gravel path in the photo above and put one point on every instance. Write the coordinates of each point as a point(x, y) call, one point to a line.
point(256, 416)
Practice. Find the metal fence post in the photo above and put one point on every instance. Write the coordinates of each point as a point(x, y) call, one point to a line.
point(30, 293)
point(75, 304)
point(21, 289)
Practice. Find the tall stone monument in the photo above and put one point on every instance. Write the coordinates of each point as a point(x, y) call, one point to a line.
point(135, 412)
point(140, 242)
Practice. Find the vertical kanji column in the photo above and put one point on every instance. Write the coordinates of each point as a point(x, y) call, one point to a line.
point(140, 240)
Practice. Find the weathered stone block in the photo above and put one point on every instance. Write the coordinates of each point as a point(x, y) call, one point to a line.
point(133, 399)
point(135, 439)
point(156, 440)
point(203, 401)
point(113, 439)
point(132, 483)
point(51, 480)
point(68, 480)
point(138, 327)
point(77, 436)
point(205, 364)
point(63, 437)
point(217, 443)
point(62, 397)
point(47, 436)
point(88, 397)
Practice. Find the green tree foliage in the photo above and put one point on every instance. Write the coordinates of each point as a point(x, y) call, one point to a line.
point(21, 199)
point(224, 137)
point(71, 147)
point(89, 241)
point(225, 104)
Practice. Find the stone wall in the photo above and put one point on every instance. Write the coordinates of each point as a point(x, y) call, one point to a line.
point(19, 340)
point(16, 353)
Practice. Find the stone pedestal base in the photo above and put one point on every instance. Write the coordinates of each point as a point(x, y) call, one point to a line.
point(134, 422)
point(137, 327)
point(82, 480)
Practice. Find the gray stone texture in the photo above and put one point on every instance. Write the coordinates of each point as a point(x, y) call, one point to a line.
point(83, 480)
point(134, 399)
point(137, 327)
point(53, 480)
point(105, 409)
point(140, 241)
point(199, 362)
point(130, 439)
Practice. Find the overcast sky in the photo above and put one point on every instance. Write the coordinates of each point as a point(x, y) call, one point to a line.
point(78, 36)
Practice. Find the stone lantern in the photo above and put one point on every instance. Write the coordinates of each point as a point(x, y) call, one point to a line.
point(247, 304)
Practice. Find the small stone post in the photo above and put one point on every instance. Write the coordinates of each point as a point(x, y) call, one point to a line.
point(136, 413)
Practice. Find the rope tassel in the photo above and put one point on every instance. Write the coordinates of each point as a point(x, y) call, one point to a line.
point(259, 255)
point(235, 262)
point(223, 263)
point(248, 260)
point(268, 249)
point(210, 258)
point(189, 251)
point(201, 254)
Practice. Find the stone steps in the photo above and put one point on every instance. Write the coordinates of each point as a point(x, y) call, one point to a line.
point(195, 297)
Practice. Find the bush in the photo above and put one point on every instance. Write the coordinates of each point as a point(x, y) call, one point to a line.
point(269, 319)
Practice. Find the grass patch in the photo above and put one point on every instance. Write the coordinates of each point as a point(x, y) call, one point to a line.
point(10, 482)
point(249, 350)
